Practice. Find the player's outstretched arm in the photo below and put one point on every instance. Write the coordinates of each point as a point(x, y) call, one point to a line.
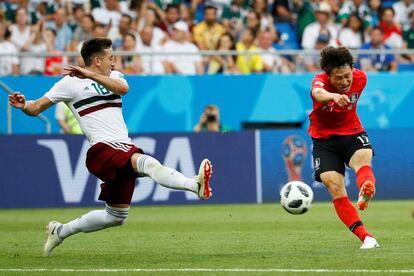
point(31, 108)
point(117, 86)
point(323, 96)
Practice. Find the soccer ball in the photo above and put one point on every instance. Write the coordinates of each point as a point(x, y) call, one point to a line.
point(296, 197)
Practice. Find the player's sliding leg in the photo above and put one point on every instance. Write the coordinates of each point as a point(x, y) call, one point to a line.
point(347, 213)
point(114, 216)
point(170, 178)
point(361, 163)
point(90, 222)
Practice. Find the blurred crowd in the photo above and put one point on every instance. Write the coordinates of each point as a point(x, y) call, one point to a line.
point(186, 27)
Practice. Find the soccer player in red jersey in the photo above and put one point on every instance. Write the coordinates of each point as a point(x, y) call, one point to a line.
point(94, 95)
point(339, 138)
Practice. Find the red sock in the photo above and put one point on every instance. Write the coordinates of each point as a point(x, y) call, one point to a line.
point(363, 174)
point(349, 216)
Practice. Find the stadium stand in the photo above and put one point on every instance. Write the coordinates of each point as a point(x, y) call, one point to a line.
point(285, 23)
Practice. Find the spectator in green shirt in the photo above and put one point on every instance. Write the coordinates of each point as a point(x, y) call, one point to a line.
point(234, 15)
point(408, 36)
point(163, 4)
point(306, 16)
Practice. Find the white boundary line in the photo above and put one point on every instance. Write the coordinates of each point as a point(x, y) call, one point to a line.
point(248, 270)
point(259, 195)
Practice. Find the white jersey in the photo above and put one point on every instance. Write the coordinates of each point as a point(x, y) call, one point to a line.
point(98, 110)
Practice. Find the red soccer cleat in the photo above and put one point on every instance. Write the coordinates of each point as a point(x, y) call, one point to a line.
point(365, 194)
point(203, 179)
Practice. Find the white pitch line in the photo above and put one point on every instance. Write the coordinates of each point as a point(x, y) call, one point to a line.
point(263, 270)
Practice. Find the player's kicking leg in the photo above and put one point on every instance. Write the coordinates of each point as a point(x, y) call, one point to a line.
point(366, 183)
point(365, 179)
point(366, 193)
point(170, 178)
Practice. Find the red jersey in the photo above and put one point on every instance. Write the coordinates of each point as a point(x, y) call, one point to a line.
point(327, 119)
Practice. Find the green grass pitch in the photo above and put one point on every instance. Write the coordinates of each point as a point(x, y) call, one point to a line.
point(254, 239)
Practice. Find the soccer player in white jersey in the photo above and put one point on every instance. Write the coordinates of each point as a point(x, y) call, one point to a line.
point(94, 95)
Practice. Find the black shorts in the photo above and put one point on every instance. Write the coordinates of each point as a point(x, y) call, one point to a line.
point(333, 153)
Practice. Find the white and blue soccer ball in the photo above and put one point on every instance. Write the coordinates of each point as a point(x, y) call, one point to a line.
point(296, 197)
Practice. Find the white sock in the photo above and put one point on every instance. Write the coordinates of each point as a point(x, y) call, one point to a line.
point(94, 221)
point(165, 176)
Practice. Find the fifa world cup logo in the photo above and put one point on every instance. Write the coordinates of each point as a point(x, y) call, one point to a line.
point(294, 152)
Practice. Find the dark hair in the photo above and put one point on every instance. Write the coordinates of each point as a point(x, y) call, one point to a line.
point(98, 25)
point(172, 6)
point(131, 34)
point(52, 30)
point(7, 33)
point(361, 25)
point(90, 16)
point(135, 4)
point(377, 28)
point(93, 47)
point(256, 28)
point(356, 15)
point(210, 7)
point(127, 16)
point(332, 57)
point(77, 7)
point(385, 9)
point(233, 44)
point(258, 15)
point(253, 31)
